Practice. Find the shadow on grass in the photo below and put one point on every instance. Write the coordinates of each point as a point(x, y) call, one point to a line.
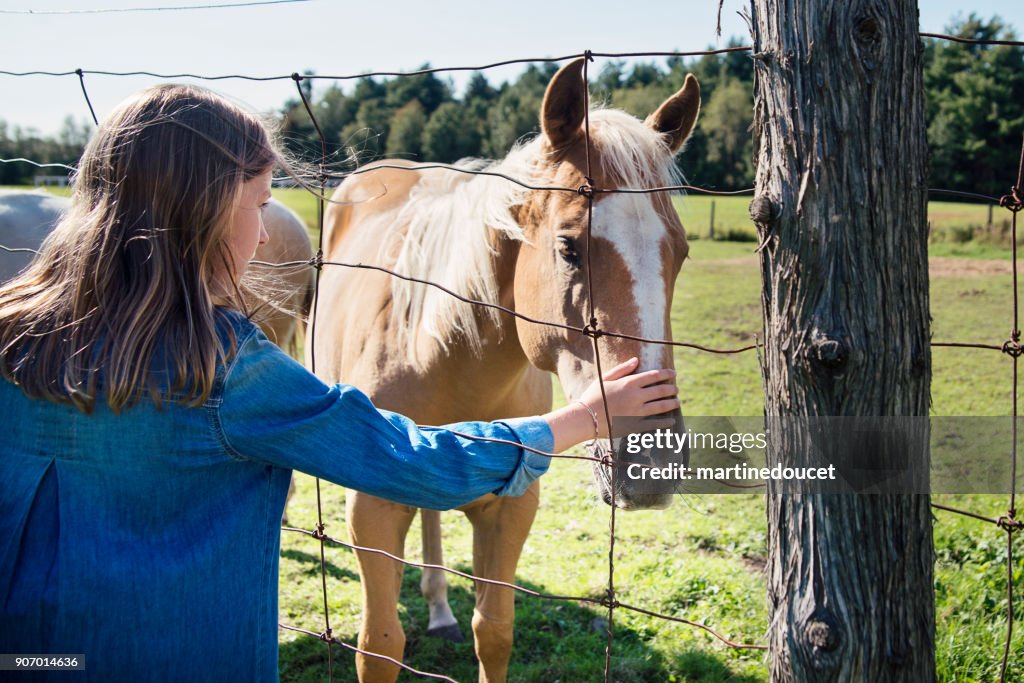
point(554, 641)
point(313, 562)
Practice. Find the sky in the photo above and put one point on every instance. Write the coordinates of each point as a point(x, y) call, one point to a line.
point(339, 38)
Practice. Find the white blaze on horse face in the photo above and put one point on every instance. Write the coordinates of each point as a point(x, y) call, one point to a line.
point(631, 225)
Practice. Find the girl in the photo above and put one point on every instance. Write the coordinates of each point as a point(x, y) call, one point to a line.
point(151, 429)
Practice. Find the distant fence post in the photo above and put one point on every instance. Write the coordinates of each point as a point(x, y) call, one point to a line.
point(711, 228)
point(46, 180)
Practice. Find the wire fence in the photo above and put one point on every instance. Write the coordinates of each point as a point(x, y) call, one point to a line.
point(1012, 202)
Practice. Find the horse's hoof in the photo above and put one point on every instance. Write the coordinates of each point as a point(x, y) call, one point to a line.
point(451, 633)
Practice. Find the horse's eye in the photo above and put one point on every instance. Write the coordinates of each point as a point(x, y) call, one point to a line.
point(567, 250)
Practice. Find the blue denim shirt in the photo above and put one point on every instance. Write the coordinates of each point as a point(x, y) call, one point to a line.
point(148, 541)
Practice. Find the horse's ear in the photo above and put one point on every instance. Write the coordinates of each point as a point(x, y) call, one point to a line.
point(676, 116)
point(562, 113)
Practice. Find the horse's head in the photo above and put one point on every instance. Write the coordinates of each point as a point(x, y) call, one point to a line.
point(637, 244)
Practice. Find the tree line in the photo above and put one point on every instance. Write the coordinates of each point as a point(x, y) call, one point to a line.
point(974, 95)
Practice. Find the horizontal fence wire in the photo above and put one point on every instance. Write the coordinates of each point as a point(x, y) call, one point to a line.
point(171, 8)
point(1012, 202)
point(444, 69)
point(522, 589)
point(331, 640)
point(971, 41)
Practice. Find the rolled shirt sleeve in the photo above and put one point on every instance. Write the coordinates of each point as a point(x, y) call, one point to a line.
point(272, 409)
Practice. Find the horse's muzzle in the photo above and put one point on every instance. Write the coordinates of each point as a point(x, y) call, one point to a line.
point(628, 482)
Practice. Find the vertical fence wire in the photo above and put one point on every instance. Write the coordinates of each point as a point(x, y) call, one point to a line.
point(595, 333)
point(1013, 202)
point(85, 94)
point(326, 636)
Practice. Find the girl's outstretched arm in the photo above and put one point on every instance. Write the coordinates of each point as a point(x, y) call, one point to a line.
point(273, 410)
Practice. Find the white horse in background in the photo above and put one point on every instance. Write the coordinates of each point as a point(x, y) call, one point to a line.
point(27, 217)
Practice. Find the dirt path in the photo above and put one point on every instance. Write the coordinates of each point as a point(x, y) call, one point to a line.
point(948, 266)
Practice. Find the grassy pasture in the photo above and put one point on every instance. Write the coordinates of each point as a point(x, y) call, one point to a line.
point(703, 559)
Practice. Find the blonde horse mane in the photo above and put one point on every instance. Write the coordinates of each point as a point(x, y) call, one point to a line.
point(453, 225)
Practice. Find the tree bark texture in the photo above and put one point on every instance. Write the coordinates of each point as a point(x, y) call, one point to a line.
point(840, 206)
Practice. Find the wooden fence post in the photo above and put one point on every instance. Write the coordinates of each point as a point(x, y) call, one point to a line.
point(841, 206)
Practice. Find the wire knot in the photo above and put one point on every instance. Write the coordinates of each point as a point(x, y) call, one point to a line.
point(1012, 345)
point(319, 532)
point(609, 601)
point(1008, 524)
point(317, 261)
point(296, 76)
point(1013, 201)
point(588, 55)
point(607, 460)
point(586, 190)
point(327, 636)
point(591, 330)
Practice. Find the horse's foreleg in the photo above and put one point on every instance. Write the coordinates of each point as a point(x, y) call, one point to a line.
point(434, 584)
point(500, 527)
point(378, 523)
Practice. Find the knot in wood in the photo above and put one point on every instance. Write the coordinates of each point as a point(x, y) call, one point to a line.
point(763, 210)
point(821, 632)
point(867, 31)
point(829, 352)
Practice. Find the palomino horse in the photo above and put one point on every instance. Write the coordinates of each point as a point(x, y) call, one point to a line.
point(26, 218)
point(418, 351)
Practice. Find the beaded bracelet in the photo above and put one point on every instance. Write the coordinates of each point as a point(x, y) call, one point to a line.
point(593, 416)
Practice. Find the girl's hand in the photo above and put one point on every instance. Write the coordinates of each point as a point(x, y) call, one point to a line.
point(649, 393)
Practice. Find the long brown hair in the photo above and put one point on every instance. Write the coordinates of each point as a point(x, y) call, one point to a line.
point(121, 296)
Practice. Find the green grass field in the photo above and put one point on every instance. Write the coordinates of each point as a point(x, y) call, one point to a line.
point(703, 559)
